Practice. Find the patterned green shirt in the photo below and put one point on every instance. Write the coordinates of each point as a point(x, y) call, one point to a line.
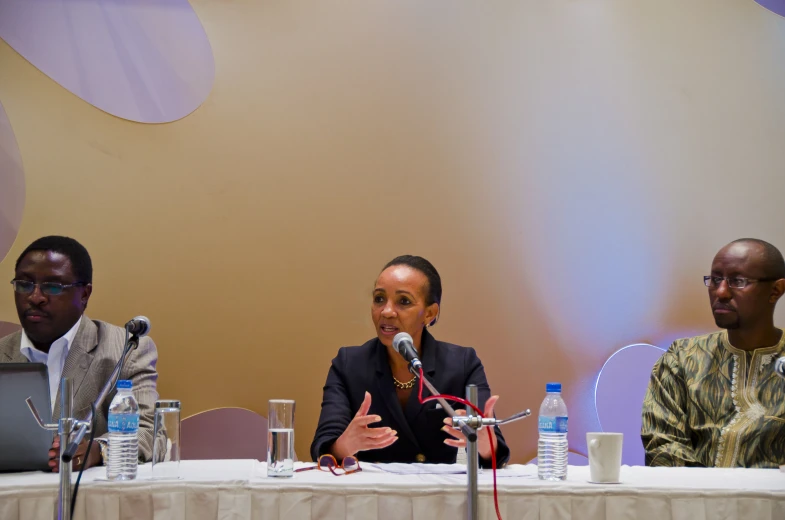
point(711, 404)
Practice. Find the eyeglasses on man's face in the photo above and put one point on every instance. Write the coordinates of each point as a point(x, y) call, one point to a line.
point(47, 288)
point(734, 282)
point(328, 463)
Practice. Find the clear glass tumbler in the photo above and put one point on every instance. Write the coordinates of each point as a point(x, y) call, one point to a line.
point(280, 438)
point(166, 440)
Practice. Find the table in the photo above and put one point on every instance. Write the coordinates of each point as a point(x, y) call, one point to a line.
point(239, 490)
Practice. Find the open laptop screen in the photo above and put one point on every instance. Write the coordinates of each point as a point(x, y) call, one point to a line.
point(24, 446)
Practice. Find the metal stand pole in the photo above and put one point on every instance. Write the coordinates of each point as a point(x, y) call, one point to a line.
point(472, 460)
point(470, 425)
point(64, 430)
point(72, 430)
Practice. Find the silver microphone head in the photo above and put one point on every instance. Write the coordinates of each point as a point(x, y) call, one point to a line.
point(779, 367)
point(404, 345)
point(139, 326)
point(399, 338)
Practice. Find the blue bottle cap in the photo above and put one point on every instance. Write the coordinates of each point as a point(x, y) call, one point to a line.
point(553, 387)
point(124, 384)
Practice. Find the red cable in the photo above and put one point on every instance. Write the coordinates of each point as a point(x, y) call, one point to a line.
point(488, 429)
point(493, 465)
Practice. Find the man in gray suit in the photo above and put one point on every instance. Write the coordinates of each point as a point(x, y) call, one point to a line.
point(52, 284)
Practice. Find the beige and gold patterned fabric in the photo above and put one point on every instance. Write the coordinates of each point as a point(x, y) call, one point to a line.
point(711, 404)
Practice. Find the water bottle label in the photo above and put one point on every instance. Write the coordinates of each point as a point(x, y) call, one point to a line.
point(123, 422)
point(553, 424)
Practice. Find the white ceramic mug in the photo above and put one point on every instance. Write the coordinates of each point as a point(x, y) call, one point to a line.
point(604, 456)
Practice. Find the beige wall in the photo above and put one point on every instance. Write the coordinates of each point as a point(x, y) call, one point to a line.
point(569, 167)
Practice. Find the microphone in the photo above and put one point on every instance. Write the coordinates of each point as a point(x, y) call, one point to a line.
point(404, 345)
point(779, 367)
point(139, 326)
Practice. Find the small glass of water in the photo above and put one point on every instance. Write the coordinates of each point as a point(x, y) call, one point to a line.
point(280, 438)
point(166, 440)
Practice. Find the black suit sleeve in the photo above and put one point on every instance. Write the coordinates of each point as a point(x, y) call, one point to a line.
point(476, 376)
point(336, 408)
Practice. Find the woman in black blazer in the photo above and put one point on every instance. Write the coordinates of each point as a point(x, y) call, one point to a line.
point(370, 407)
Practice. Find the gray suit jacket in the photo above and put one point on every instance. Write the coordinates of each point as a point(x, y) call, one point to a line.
point(95, 351)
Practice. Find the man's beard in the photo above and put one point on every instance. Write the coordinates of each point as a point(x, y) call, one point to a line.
point(726, 323)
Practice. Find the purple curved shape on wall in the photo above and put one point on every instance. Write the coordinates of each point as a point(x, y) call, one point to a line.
point(12, 185)
point(621, 387)
point(777, 6)
point(144, 60)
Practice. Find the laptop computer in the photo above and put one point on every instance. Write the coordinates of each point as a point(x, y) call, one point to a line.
point(24, 446)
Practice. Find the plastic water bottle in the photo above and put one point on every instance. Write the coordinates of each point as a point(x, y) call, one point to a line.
point(552, 446)
point(123, 434)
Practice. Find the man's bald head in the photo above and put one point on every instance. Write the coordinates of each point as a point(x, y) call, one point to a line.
point(768, 258)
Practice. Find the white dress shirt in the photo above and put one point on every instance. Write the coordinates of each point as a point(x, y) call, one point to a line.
point(54, 360)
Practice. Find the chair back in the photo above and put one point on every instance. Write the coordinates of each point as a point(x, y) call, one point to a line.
point(619, 393)
point(8, 328)
point(224, 433)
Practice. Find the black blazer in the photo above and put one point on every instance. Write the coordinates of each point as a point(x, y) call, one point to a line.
point(420, 439)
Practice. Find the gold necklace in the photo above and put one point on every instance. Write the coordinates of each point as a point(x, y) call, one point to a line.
point(404, 386)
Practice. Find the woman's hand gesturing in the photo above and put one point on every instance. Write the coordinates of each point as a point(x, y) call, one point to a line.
point(358, 436)
point(483, 444)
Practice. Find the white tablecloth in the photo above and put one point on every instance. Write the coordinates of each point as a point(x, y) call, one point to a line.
point(240, 490)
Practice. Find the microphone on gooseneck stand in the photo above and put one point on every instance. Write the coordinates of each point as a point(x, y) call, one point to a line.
point(779, 367)
point(469, 423)
point(139, 326)
point(404, 345)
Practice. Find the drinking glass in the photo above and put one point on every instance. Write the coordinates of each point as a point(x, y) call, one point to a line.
point(166, 440)
point(280, 438)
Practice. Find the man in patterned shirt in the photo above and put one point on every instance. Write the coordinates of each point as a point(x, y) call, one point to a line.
point(714, 400)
